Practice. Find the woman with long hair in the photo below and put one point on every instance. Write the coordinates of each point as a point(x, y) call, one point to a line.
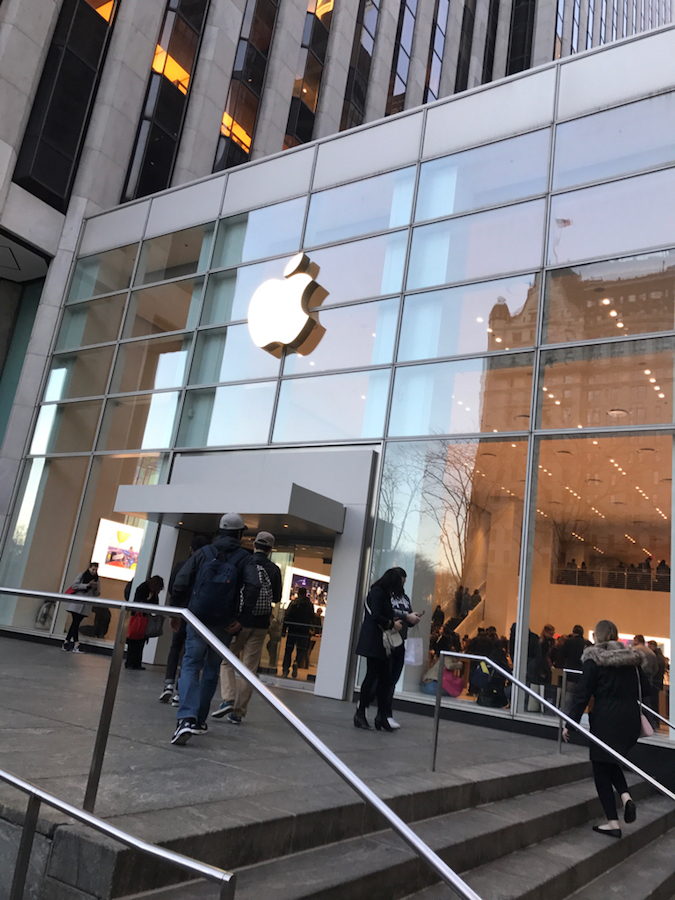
point(85, 585)
point(147, 592)
point(612, 675)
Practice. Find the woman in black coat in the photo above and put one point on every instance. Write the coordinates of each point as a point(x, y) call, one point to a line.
point(379, 617)
point(613, 677)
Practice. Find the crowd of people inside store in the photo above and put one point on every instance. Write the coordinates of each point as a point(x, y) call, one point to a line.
point(640, 577)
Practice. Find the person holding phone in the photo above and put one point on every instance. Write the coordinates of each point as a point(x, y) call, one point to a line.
point(403, 613)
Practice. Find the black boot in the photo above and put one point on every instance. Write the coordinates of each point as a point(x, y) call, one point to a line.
point(382, 723)
point(360, 720)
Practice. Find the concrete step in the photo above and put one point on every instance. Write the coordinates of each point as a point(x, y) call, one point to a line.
point(379, 866)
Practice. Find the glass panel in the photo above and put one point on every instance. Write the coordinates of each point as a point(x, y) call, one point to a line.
point(229, 354)
point(374, 204)
point(66, 427)
point(102, 273)
point(82, 374)
point(229, 293)
point(627, 383)
point(623, 296)
point(151, 365)
point(609, 219)
point(492, 315)
point(332, 407)
point(39, 535)
point(502, 240)
point(615, 142)
point(600, 540)
point(450, 513)
point(174, 255)
point(485, 176)
point(355, 336)
point(490, 394)
point(224, 416)
point(138, 422)
point(363, 268)
point(262, 232)
point(91, 323)
point(168, 307)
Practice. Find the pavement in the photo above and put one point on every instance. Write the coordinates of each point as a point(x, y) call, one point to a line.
point(50, 703)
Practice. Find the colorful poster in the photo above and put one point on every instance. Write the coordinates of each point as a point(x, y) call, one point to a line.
point(116, 549)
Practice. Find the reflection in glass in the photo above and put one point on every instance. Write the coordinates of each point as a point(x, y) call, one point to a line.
point(65, 427)
point(450, 513)
point(138, 423)
point(470, 395)
point(356, 336)
point(150, 365)
point(620, 383)
point(83, 374)
point(362, 269)
point(484, 176)
point(615, 218)
point(372, 204)
point(634, 295)
point(229, 354)
point(603, 508)
point(167, 307)
point(332, 407)
point(487, 243)
point(229, 293)
point(475, 318)
point(175, 255)
point(225, 416)
point(102, 273)
point(615, 142)
point(263, 232)
point(91, 323)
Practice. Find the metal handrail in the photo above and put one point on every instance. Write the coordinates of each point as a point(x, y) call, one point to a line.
point(545, 703)
point(448, 875)
point(37, 796)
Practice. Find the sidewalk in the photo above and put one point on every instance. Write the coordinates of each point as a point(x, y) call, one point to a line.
point(49, 708)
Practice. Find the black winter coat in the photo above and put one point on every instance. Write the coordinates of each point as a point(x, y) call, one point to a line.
point(610, 676)
point(381, 616)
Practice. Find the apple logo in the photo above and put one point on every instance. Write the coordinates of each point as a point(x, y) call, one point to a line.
point(278, 312)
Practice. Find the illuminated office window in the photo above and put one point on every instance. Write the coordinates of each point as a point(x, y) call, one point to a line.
point(159, 132)
point(309, 72)
point(354, 107)
point(51, 147)
point(401, 61)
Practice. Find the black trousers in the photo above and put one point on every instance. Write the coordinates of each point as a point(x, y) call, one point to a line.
point(74, 630)
point(177, 647)
point(378, 670)
point(134, 654)
point(607, 777)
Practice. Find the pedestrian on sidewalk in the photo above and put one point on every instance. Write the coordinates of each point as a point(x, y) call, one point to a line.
point(261, 589)
point(612, 675)
point(146, 592)
point(209, 583)
point(85, 585)
point(297, 623)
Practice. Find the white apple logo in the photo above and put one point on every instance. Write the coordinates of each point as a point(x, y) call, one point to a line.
point(278, 313)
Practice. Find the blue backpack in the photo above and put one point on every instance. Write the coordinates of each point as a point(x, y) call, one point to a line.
point(215, 596)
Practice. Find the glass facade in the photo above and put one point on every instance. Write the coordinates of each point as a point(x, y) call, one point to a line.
point(507, 348)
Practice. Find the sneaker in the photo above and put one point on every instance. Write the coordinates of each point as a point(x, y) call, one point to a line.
point(166, 694)
point(77, 649)
point(200, 728)
point(393, 723)
point(184, 731)
point(295, 670)
point(233, 719)
point(175, 700)
point(225, 707)
point(66, 646)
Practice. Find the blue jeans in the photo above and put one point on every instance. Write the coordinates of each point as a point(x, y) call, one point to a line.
point(196, 694)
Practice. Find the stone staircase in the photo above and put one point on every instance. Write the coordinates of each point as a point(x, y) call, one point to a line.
point(517, 830)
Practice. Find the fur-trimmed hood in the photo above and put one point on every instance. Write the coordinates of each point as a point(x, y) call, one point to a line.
point(612, 653)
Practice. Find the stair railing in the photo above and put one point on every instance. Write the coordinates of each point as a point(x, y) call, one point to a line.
point(446, 874)
point(547, 705)
point(36, 797)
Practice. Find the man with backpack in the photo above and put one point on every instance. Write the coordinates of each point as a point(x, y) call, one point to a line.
point(261, 588)
point(211, 580)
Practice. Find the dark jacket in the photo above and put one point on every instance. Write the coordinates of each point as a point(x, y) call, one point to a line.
point(610, 675)
point(380, 616)
point(171, 600)
point(186, 577)
point(299, 618)
point(251, 590)
point(572, 651)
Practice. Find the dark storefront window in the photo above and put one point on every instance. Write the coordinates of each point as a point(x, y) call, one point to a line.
point(401, 62)
point(309, 72)
point(520, 39)
point(49, 155)
point(173, 67)
point(465, 42)
point(354, 107)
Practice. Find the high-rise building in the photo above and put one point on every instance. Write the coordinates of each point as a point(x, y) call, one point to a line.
point(482, 388)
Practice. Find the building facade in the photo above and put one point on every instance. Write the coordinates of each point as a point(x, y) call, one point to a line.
point(482, 390)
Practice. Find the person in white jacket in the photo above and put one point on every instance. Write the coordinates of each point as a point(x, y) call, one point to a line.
point(85, 585)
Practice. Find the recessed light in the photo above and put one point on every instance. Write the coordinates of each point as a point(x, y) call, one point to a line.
point(479, 319)
point(662, 396)
point(613, 313)
point(652, 380)
point(557, 402)
point(606, 302)
point(648, 371)
point(617, 413)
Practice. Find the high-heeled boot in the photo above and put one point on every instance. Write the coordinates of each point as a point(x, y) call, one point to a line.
point(382, 723)
point(360, 720)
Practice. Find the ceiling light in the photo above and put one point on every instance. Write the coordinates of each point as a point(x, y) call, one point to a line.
point(479, 319)
point(648, 371)
point(606, 302)
point(499, 340)
point(617, 413)
point(613, 313)
point(652, 380)
point(619, 324)
point(595, 442)
point(662, 396)
point(557, 402)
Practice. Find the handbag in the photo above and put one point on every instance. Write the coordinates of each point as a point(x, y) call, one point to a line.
point(481, 676)
point(137, 625)
point(452, 682)
point(155, 626)
point(391, 639)
point(414, 650)
point(646, 729)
